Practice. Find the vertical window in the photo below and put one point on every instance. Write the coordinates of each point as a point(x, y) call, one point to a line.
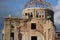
point(33, 25)
point(37, 13)
point(31, 14)
point(26, 14)
point(37, 16)
point(12, 36)
point(33, 37)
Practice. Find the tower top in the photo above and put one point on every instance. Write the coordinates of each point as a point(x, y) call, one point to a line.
point(38, 3)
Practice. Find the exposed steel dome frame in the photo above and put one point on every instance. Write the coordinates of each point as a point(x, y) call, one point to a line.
point(37, 2)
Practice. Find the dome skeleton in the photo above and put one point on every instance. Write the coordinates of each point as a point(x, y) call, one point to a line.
point(38, 3)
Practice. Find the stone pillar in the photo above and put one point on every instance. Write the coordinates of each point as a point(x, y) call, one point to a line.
point(15, 33)
point(47, 35)
point(7, 30)
point(34, 13)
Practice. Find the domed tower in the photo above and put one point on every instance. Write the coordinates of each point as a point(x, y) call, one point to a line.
point(41, 11)
point(37, 23)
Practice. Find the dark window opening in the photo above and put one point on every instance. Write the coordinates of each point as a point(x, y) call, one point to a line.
point(26, 14)
point(39, 16)
point(31, 15)
point(12, 36)
point(34, 38)
point(19, 36)
point(33, 25)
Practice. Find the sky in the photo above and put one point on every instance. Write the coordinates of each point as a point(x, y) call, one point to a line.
point(15, 7)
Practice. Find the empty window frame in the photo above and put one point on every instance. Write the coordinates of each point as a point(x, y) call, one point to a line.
point(31, 14)
point(37, 16)
point(33, 37)
point(12, 36)
point(26, 14)
point(33, 25)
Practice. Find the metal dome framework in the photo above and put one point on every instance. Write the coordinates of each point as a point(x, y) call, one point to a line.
point(38, 3)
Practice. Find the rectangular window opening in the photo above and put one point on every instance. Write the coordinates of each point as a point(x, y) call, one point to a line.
point(26, 14)
point(34, 38)
point(12, 36)
point(33, 25)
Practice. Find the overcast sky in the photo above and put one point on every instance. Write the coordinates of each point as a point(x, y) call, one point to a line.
point(14, 7)
point(57, 15)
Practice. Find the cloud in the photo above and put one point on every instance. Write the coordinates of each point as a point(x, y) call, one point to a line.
point(57, 15)
point(57, 7)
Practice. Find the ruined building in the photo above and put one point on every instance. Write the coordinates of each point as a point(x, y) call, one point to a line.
point(36, 23)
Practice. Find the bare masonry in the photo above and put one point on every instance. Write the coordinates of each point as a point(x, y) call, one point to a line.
point(36, 23)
